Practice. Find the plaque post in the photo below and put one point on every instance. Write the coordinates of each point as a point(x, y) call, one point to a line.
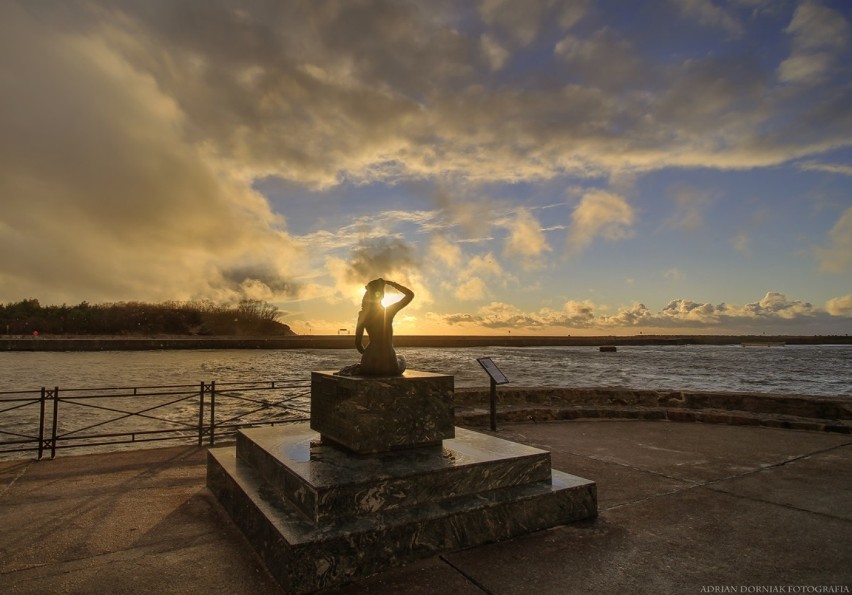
point(497, 377)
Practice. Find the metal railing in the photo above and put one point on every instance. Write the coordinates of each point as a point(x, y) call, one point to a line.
point(44, 421)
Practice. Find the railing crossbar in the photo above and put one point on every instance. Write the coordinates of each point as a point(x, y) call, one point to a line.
point(8, 433)
point(263, 385)
point(115, 442)
point(11, 450)
point(121, 417)
point(242, 398)
point(74, 401)
point(19, 406)
point(126, 395)
point(127, 433)
point(128, 388)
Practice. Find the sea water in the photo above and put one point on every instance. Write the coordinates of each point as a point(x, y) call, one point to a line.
point(809, 370)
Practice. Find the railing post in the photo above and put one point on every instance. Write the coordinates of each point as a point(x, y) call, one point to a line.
point(212, 412)
point(41, 423)
point(201, 413)
point(55, 422)
point(493, 406)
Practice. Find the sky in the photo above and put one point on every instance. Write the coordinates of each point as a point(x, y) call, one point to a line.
point(535, 167)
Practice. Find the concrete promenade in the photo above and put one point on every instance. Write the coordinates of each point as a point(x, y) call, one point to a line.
point(684, 508)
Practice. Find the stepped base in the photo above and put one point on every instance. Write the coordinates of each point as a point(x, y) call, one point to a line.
point(327, 483)
point(320, 516)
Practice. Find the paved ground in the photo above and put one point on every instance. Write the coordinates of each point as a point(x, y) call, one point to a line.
point(684, 508)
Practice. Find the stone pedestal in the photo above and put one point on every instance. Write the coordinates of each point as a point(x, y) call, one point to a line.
point(370, 415)
point(320, 514)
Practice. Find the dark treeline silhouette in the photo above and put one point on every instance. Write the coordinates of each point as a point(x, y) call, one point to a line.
point(248, 317)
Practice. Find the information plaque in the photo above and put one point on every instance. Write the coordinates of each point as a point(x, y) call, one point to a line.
point(496, 375)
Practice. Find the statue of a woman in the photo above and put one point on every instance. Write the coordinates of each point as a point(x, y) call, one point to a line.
point(379, 357)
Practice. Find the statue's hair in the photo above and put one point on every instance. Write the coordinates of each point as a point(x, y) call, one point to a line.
point(373, 287)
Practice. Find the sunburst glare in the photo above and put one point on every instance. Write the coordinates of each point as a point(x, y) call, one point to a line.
point(391, 298)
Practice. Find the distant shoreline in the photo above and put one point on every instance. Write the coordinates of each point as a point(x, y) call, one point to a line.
point(100, 343)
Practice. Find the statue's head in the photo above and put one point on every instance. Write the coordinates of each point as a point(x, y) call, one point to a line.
point(375, 291)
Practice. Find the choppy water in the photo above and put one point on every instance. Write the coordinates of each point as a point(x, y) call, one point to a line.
point(812, 370)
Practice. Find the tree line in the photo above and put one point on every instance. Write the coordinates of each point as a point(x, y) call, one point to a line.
point(247, 317)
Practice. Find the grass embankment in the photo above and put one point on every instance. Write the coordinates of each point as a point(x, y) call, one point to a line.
point(28, 318)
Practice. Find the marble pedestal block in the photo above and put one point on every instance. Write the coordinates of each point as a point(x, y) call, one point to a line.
point(381, 477)
point(375, 414)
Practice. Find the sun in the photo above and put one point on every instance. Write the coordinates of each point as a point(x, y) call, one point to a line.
point(391, 298)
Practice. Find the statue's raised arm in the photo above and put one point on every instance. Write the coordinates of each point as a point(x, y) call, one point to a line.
point(407, 296)
point(379, 357)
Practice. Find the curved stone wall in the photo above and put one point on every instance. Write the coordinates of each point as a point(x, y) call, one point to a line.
point(555, 403)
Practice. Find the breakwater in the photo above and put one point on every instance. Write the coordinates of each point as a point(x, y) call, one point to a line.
point(60, 343)
point(538, 404)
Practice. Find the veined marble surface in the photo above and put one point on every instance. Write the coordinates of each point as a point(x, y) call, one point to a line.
point(376, 414)
point(327, 482)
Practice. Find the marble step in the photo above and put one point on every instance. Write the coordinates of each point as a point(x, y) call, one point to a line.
point(325, 482)
point(304, 556)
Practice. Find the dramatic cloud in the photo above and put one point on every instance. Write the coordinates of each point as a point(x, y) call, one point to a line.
point(526, 239)
point(473, 289)
point(709, 14)
point(496, 54)
point(840, 306)
point(103, 196)
point(292, 101)
point(389, 258)
point(488, 265)
point(834, 168)
point(776, 304)
point(374, 258)
point(584, 57)
point(836, 257)
point(819, 34)
point(259, 281)
point(497, 315)
point(471, 280)
point(574, 314)
point(774, 310)
point(599, 213)
point(464, 208)
point(444, 252)
point(521, 23)
point(773, 307)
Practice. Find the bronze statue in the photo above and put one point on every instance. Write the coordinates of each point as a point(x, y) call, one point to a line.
point(379, 357)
